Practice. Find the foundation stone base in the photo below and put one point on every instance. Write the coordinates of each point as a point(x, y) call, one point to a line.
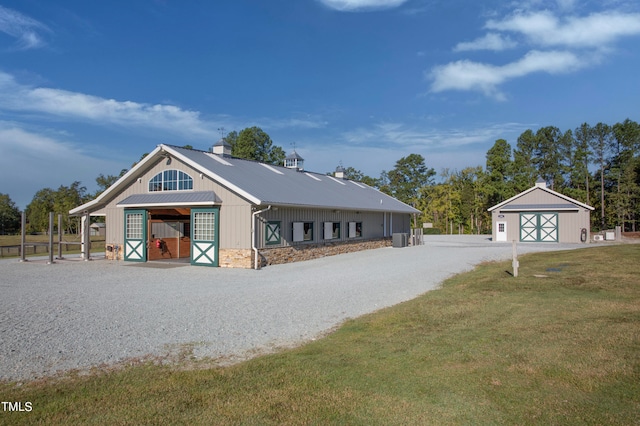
point(235, 258)
point(302, 252)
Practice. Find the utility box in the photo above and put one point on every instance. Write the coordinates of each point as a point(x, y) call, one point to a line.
point(609, 236)
point(400, 239)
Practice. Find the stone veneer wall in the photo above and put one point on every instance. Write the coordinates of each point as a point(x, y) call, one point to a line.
point(302, 252)
point(235, 258)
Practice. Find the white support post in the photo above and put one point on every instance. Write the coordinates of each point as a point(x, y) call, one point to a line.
point(86, 237)
point(60, 236)
point(51, 215)
point(384, 224)
point(515, 262)
point(23, 237)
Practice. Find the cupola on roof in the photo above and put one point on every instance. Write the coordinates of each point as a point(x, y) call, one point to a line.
point(294, 161)
point(222, 147)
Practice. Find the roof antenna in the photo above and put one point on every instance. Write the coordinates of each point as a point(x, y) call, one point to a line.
point(221, 130)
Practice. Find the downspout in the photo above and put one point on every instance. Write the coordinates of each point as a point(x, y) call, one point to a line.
point(254, 235)
point(384, 224)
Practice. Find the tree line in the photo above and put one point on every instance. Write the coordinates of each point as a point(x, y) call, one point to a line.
point(598, 165)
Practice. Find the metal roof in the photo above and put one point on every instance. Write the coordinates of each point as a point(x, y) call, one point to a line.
point(258, 183)
point(294, 156)
point(170, 198)
point(574, 203)
point(278, 185)
point(530, 207)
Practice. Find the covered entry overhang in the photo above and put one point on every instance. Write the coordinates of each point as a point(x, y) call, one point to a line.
point(172, 225)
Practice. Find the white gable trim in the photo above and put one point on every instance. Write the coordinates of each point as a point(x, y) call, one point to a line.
point(125, 180)
point(132, 175)
point(533, 188)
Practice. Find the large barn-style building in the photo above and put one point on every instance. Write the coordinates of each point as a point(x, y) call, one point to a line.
point(540, 214)
point(216, 210)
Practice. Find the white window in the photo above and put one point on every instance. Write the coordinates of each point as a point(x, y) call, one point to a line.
point(171, 180)
point(331, 230)
point(355, 229)
point(135, 230)
point(204, 226)
point(302, 231)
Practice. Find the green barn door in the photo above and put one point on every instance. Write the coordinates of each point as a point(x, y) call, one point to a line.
point(539, 227)
point(135, 235)
point(204, 238)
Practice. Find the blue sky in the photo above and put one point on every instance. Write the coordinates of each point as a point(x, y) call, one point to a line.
point(86, 87)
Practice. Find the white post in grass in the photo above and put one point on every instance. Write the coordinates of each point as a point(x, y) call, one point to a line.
point(23, 237)
point(515, 264)
point(50, 239)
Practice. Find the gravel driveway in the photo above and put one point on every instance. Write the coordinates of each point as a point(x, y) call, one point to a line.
point(74, 314)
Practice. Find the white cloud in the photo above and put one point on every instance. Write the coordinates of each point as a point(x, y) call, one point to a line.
point(594, 31)
point(415, 138)
point(356, 5)
point(73, 106)
point(491, 41)
point(79, 106)
point(26, 30)
point(576, 42)
point(469, 75)
point(32, 161)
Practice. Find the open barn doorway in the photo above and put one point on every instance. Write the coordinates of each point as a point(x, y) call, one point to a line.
point(170, 234)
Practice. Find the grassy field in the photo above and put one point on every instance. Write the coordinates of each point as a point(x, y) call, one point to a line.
point(560, 345)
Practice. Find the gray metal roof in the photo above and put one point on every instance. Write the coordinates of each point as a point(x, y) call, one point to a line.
point(294, 156)
point(276, 185)
point(170, 198)
point(526, 207)
point(575, 204)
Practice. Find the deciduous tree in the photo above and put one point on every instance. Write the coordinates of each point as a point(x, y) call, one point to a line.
point(255, 144)
point(9, 216)
point(407, 177)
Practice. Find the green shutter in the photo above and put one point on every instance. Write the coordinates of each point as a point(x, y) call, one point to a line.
point(272, 233)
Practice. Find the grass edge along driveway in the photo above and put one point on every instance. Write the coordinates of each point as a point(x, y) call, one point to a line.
point(560, 344)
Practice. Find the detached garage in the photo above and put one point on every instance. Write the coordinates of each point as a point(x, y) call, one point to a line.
point(540, 215)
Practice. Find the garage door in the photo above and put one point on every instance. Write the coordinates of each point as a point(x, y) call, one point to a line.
point(539, 227)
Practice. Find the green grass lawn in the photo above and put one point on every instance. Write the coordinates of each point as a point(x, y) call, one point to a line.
point(487, 348)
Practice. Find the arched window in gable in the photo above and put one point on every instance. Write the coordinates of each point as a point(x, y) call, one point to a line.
point(171, 180)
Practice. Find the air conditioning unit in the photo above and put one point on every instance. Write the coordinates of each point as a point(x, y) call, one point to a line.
point(598, 238)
